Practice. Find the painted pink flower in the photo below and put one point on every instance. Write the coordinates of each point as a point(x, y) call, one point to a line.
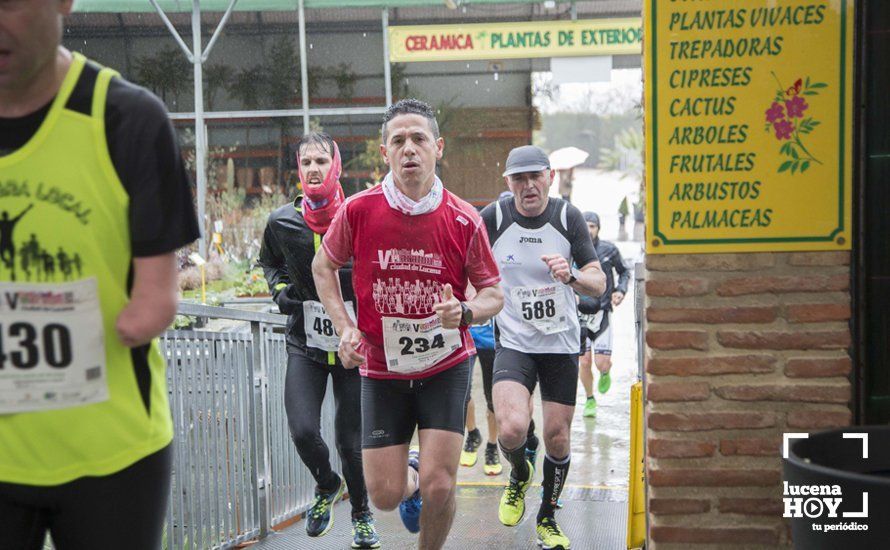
point(796, 106)
point(775, 112)
point(783, 129)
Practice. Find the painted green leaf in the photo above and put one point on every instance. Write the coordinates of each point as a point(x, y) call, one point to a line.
point(810, 93)
point(785, 148)
point(785, 165)
point(818, 85)
point(794, 154)
point(814, 123)
point(806, 83)
point(804, 166)
point(794, 166)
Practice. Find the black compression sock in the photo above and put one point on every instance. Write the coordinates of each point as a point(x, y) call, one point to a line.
point(555, 472)
point(516, 458)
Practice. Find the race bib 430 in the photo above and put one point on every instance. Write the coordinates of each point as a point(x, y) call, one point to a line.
point(52, 346)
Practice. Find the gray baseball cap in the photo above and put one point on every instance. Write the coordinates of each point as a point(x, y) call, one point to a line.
point(527, 158)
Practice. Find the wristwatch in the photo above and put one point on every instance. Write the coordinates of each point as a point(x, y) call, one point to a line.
point(572, 277)
point(466, 315)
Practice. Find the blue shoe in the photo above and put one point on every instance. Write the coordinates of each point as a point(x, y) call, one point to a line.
point(410, 508)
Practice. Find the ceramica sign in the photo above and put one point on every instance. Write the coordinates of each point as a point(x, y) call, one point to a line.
point(515, 40)
point(748, 125)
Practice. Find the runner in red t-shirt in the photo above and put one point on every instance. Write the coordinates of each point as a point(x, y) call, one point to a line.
point(414, 247)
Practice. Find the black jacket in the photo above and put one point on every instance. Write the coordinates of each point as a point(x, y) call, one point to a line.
point(610, 259)
point(286, 258)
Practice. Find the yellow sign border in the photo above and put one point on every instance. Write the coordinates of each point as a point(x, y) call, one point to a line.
point(839, 239)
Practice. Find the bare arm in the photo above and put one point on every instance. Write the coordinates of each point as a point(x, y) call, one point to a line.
point(591, 281)
point(327, 284)
point(153, 300)
point(485, 304)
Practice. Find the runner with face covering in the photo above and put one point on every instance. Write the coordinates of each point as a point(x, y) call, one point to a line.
point(293, 235)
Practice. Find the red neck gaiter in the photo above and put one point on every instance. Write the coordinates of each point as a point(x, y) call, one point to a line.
point(326, 197)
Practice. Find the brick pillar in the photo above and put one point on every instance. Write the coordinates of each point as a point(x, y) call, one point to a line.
point(740, 348)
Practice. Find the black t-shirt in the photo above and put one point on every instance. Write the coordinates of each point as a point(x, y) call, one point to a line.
point(146, 157)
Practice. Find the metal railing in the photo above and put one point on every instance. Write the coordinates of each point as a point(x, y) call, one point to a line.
point(236, 472)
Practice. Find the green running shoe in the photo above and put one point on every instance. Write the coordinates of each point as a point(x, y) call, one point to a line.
point(492, 461)
point(512, 506)
point(605, 382)
point(550, 536)
point(471, 445)
point(590, 407)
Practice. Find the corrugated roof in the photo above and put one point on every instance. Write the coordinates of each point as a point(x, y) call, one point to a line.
point(430, 13)
point(130, 6)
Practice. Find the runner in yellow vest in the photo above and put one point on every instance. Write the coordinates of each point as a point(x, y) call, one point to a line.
point(94, 200)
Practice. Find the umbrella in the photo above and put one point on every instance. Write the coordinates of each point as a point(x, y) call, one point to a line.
point(567, 157)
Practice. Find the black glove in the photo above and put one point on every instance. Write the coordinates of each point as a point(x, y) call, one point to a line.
point(588, 305)
point(287, 301)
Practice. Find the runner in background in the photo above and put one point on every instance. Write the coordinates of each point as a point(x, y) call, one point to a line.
point(596, 316)
point(483, 336)
point(290, 241)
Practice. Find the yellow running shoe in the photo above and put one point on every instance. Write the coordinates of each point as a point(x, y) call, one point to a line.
point(551, 537)
point(471, 445)
point(492, 461)
point(512, 506)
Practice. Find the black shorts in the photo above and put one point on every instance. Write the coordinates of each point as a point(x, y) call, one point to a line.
point(125, 509)
point(391, 409)
point(557, 372)
point(603, 333)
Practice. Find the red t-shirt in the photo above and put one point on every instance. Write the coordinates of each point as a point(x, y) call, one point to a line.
point(400, 265)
